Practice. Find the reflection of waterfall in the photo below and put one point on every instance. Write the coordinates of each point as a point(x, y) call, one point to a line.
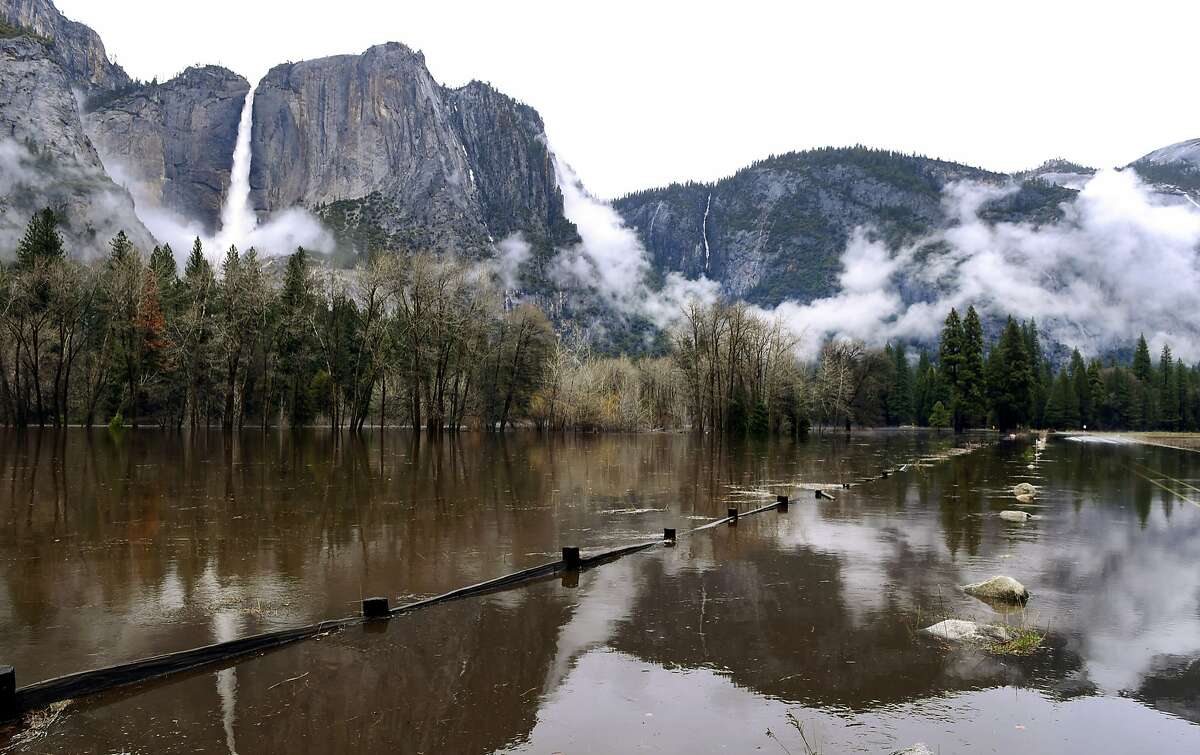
point(606, 601)
point(225, 627)
point(237, 217)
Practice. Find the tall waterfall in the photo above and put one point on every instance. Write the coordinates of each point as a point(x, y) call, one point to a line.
point(238, 220)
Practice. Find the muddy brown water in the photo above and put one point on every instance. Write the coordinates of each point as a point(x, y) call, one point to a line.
point(791, 632)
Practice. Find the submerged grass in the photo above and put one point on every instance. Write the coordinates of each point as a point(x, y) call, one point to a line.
point(1026, 636)
point(1026, 642)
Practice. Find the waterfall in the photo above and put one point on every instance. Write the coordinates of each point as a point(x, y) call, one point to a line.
point(238, 220)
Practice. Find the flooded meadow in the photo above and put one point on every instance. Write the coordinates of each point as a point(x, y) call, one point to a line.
point(794, 631)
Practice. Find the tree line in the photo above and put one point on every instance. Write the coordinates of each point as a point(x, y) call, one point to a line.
point(432, 342)
point(1013, 383)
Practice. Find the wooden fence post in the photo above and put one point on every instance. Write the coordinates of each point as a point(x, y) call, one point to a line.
point(571, 557)
point(8, 692)
point(376, 608)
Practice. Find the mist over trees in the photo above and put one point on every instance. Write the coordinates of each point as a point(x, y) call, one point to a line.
point(431, 342)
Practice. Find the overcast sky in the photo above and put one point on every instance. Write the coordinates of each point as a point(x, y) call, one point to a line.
point(639, 94)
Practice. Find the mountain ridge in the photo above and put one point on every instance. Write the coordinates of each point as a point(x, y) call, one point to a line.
point(390, 159)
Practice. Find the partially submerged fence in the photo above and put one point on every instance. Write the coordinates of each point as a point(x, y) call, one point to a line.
point(14, 701)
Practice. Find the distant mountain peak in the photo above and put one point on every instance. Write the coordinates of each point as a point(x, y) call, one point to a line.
point(1180, 152)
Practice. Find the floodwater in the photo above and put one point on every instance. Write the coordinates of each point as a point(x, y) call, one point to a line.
point(790, 632)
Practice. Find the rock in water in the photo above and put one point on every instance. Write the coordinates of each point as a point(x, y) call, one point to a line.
point(1000, 589)
point(1015, 516)
point(1024, 489)
point(961, 630)
point(1025, 498)
point(920, 748)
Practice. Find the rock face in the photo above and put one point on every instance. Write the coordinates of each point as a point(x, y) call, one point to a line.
point(999, 589)
point(46, 158)
point(511, 164)
point(75, 47)
point(391, 158)
point(174, 141)
point(776, 230)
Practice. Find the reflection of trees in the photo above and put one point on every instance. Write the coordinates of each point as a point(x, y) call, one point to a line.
point(465, 677)
point(1172, 684)
point(780, 625)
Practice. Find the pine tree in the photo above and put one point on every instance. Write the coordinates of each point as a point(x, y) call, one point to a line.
point(1062, 408)
point(1082, 387)
point(1011, 379)
point(939, 416)
point(950, 350)
point(1099, 397)
point(1123, 402)
point(970, 401)
point(1042, 374)
point(924, 389)
point(294, 340)
point(1168, 391)
point(901, 395)
point(1182, 390)
point(196, 324)
point(1142, 369)
point(41, 241)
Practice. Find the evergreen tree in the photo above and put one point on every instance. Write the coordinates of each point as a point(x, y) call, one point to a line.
point(901, 398)
point(196, 333)
point(1122, 405)
point(939, 416)
point(1182, 390)
point(1099, 397)
point(1142, 369)
point(924, 389)
point(1011, 379)
point(1168, 391)
point(970, 401)
point(41, 241)
point(950, 351)
point(1082, 386)
point(1145, 391)
point(294, 341)
point(1062, 408)
point(1042, 374)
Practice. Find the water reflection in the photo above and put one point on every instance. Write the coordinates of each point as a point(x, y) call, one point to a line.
point(706, 644)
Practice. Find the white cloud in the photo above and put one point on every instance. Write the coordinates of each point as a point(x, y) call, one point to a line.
point(1122, 261)
point(610, 258)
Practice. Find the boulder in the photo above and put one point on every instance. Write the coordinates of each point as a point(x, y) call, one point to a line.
point(961, 630)
point(1025, 499)
point(1015, 516)
point(1024, 488)
point(1000, 589)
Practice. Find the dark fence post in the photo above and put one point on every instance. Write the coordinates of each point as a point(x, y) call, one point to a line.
point(781, 503)
point(8, 692)
point(571, 557)
point(669, 534)
point(375, 608)
point(733, 516)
